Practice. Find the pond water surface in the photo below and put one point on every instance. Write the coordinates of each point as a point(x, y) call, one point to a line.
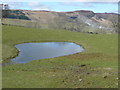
point(36, 51)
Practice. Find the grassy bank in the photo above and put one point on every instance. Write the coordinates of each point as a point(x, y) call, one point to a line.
point(94, 68)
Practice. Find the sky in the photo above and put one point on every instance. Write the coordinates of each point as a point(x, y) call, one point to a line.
point(97, 7)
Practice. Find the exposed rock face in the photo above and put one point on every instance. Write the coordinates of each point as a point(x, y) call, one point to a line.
point(82, 21)
point(88, 14)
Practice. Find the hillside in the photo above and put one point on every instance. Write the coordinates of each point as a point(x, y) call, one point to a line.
point(81, 21)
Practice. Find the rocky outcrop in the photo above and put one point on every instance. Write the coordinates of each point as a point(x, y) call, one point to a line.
point(81, 21)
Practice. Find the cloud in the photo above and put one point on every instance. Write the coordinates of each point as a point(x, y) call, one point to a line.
point(27, 5)
point(87, 4)
point(37, 6)
point(15, 5)
point(61, 1)
point(80, 4)
point(92, 0)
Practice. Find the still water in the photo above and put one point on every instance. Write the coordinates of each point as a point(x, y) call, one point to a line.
point(36, 51)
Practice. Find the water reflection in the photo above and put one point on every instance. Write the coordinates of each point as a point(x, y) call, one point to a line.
point(35, 51)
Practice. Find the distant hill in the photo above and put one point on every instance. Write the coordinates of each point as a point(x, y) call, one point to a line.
point(14, 14)
point(81, 20)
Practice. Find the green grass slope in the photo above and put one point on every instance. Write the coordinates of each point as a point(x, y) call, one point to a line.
point(96, 67)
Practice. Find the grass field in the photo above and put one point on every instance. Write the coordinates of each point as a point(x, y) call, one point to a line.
point(96, 67)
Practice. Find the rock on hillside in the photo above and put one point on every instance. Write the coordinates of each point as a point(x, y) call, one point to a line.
point(81, 21)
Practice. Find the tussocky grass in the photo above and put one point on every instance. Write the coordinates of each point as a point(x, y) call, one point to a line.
point(96, 67)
